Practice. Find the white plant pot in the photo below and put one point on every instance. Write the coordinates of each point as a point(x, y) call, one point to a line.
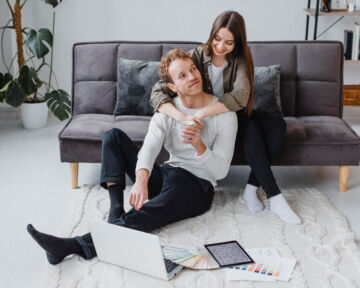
point(34, 115)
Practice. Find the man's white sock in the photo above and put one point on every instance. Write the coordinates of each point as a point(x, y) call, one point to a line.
point(252, 201)
point(280, 207)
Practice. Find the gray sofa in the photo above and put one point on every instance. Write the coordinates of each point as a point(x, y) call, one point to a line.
point(311, 98)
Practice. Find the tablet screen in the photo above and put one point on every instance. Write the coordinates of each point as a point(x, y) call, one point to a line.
point(229, 253)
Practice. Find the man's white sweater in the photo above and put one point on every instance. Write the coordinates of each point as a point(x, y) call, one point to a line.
point(218, 134)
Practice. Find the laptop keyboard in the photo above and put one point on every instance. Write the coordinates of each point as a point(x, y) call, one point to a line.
point(170, 266)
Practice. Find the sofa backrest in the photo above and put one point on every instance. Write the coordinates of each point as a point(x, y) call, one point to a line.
point(311, 73)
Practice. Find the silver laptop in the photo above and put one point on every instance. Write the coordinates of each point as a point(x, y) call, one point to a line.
point(131, 249)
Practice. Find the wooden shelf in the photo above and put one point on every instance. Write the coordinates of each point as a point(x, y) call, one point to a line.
point(311, 12)
point(351, 94)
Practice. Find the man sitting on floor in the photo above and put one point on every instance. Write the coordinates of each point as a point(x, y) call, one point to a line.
point(181, 188)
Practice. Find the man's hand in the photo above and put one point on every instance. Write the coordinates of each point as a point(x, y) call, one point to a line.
point(191, 134)
point(139, 191)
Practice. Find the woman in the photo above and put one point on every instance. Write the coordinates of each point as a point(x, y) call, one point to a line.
point(227, 69)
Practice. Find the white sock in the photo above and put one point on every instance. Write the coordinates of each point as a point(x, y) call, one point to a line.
point(280, 207)
point(252, 201)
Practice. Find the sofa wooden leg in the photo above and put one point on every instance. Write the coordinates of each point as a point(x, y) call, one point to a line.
point(344, 176)
point(74, 170)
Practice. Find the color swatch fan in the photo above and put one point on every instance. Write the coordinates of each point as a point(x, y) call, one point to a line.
point(189, 259)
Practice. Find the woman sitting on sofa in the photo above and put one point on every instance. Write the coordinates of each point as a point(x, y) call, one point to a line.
point(227, 69)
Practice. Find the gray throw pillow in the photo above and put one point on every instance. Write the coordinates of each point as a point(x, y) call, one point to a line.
point(267, 89)
point(135, 82)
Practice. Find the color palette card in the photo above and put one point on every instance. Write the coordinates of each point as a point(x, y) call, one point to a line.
point(269, 266)
point(235, 274)
point(276, 268)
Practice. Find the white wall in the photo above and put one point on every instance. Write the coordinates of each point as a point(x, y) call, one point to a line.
point(96, 20)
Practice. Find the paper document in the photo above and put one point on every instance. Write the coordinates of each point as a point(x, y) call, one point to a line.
point(269, 266)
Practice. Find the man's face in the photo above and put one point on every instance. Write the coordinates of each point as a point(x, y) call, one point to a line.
point(186, 77)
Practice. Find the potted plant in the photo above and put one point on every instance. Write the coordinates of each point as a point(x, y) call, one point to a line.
point(25, 88)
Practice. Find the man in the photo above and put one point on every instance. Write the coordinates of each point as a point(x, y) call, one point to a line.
point(181, 188)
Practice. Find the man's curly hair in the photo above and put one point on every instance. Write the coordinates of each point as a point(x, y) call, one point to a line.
point(166, 60)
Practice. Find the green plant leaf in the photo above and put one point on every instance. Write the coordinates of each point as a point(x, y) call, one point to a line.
point(5, 87)
point(59, 103)
point(28, 80)
point(2, 90)
point(53, 3)
point(35, 41)
point(14, 95)
point(5, 80)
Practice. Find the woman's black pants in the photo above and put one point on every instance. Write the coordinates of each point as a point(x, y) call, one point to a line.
point(262, 135)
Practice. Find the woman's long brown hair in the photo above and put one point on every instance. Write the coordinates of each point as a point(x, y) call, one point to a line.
point(233, 21)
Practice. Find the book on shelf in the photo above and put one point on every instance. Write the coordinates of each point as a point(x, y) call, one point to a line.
point(352, 43)
point(356, 37)
point(348, 43)
point(325, 6)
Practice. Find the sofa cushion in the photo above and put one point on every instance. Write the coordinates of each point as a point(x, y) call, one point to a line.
point(92, 127)
point(81, 138)
point(319, 130)
point(308, 130)
point(284, 54)
point(314, 140)
point(95, 97)
point(135, 82)
point(309, 140)
point(319, 140)
point(267, 89)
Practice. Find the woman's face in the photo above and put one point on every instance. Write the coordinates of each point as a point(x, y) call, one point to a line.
point(223, 42)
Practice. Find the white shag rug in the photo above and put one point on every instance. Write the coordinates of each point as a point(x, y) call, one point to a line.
point(324, 245)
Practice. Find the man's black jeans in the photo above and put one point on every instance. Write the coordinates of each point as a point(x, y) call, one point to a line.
point(174, 193)
point(262, 136)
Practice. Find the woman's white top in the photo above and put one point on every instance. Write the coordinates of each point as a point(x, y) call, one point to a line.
point(216, 78)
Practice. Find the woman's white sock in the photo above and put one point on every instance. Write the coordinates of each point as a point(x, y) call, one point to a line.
point(280, 207)
point(252, 201)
